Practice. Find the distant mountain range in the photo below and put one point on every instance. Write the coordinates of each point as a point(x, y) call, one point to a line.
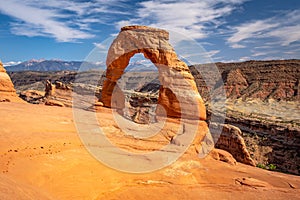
point(59, 65)
point(54, 65)
point(140, 66)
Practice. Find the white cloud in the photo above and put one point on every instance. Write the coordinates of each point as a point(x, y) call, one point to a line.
point(11, 63)
point(100, 46)
point(257, 54)
point(213, 52)
point(208, 54)
point(282, 30)
point(244, 58)
point(34, 21)
point(290, 52)
point(192, 18)
point(250, 30)
point(286, 35)
point(237, 46)
point(123, 23)
point(64, 20)
point(273, 58)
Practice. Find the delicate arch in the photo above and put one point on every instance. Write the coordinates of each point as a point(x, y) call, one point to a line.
point(178, 93)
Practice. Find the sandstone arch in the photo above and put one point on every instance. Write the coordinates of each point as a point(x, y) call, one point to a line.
point(178, 93)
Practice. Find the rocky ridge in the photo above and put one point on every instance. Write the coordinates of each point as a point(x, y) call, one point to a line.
point(275, 79)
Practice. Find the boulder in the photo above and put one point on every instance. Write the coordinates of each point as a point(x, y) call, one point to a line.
point(51, 102)
point(178, 93)
point(224, 156)
point(62, 86)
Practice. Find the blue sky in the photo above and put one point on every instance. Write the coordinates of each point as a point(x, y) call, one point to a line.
point(229, 30)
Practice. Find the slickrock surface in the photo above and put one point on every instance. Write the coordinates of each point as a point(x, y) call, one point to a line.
point(7, 90)
point(41, 157)
point(178, 93)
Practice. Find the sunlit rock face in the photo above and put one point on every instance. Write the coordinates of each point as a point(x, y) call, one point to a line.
point(7, 90)
point(178, 94)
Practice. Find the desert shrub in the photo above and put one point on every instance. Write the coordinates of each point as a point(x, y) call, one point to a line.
point(271, 167)
point(262, 166)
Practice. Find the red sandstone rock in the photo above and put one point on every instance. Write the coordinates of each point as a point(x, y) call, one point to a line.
point(232, 141)
point(252, 182)
point(236, 83)
point(178, 93)
point(221, 155)
point(7, 90)
point(51, 102)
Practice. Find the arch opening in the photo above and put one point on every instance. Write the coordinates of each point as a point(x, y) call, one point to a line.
point(140, 86)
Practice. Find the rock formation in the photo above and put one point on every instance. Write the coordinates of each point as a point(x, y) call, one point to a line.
point(51, 102)
point(221, 155)
point(271, 142)
point(178, 93)
point(32, 96)
point(7, 90)
point(49, 88)
point(62, 86)
point(232, 141)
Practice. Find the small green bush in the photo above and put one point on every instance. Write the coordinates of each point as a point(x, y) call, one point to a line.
point(271, 167)
point(262, 166)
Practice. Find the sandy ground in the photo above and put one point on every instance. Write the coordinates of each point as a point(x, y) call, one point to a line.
point(42, 157)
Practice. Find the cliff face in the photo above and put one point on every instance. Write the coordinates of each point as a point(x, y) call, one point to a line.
point(270, 143)
point(263, 98)
point(265, 80)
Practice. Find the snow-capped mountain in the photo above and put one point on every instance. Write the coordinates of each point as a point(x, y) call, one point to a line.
point(60, 65)
point(140, 66)
point(54, 65)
